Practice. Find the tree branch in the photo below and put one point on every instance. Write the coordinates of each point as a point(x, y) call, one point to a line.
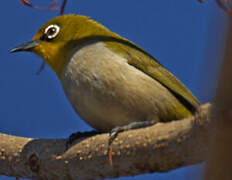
point(219, 160)
point(160, 148)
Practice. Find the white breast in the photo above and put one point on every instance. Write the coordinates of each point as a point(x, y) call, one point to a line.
point(107, 92)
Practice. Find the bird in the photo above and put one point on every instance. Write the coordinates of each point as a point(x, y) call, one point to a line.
point(112, 84)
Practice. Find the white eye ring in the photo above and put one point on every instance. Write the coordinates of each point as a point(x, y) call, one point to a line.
point(52, 31)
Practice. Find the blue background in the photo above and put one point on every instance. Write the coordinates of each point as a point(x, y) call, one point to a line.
point(185, 36)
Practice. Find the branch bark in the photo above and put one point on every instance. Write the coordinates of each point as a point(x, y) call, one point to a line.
point(160, 148)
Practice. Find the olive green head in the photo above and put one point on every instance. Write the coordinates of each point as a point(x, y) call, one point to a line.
point(56, 40)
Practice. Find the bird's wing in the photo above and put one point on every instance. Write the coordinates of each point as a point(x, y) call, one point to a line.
point(141, 60)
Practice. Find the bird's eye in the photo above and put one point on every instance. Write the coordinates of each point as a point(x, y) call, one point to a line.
point(52, 31)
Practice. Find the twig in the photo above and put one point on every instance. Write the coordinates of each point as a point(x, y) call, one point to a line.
point(225, 5)
point(50, 7)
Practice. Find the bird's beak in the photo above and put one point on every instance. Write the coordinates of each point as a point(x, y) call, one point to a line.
point(26, 46)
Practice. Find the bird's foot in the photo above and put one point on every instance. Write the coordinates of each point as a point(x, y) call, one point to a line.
point(78, 135)
point(114, 132)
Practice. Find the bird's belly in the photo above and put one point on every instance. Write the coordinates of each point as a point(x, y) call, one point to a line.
point(107, 92)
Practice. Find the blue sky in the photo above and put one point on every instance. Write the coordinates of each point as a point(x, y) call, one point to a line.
point(185, 36)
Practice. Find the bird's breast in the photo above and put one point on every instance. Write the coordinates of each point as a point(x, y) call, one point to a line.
point(106, 91)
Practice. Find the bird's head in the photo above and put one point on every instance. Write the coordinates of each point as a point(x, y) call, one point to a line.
point(56, 40)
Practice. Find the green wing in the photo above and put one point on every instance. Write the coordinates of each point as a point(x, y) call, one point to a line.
point(140, 59)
